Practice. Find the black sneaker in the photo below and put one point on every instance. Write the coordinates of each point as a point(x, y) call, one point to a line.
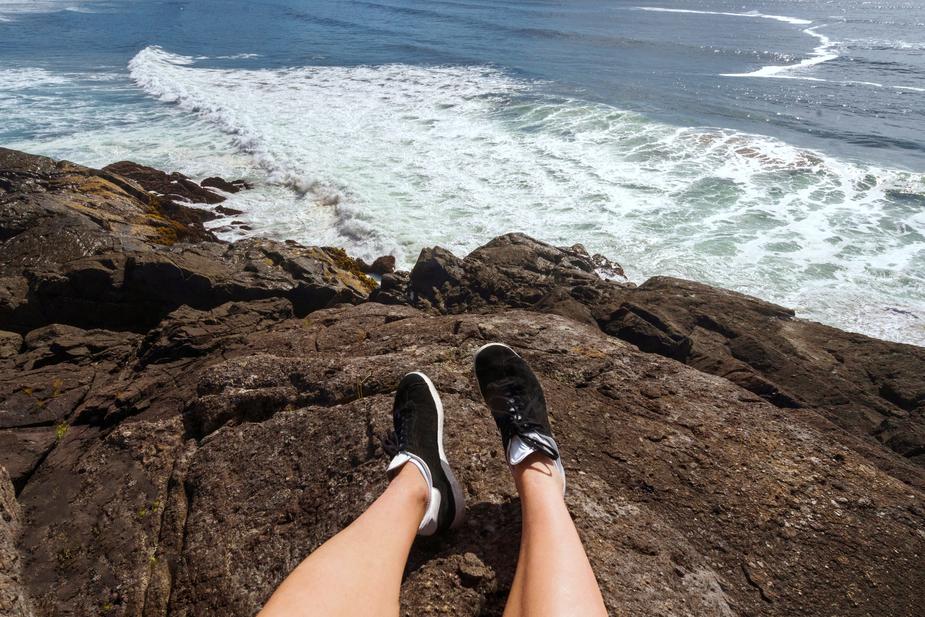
point(515, 397)
point(418, 439)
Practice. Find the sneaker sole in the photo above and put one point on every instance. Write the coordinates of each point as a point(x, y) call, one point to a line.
point(458, 498)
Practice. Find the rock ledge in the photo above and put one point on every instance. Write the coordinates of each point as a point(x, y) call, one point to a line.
point(158, 389)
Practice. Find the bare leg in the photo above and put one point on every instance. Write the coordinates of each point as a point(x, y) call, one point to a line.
point(554, 577)
point(358, 571)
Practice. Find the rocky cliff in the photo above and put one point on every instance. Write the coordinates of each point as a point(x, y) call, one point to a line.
point(182, 420)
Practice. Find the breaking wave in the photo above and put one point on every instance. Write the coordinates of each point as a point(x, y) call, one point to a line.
point(391, 158)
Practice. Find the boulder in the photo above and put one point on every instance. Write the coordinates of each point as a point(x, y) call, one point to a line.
point(226, 211)
point(174, 186)
point(872, 389)
point(221, 184)
point(52, 212)
point(393, 289)
point(381, 265)
point(94, 250)
point(511, 271)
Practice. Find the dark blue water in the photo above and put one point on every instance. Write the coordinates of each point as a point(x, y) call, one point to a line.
point(667, 65)
point(776, 147)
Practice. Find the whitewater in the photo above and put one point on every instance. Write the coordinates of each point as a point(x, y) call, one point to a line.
point(385, 134)
point(387, 159)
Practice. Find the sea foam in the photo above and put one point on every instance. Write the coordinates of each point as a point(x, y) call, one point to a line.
point(752, 14)
point(825, 51)
point(395, 157)
point(12, 80)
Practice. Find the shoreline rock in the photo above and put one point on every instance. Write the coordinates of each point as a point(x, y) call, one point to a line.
point(870, 388)
point(122, 259)
point(156, 399)
point(233, 186)
point(173, 186)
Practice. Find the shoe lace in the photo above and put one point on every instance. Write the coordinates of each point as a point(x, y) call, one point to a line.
point(518, 420)
point(390, 444)
point(395, 440)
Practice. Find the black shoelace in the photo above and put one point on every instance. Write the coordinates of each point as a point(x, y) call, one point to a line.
point(518, 420)
point(395, 441)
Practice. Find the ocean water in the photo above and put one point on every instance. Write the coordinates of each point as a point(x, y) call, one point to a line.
point(775, 147)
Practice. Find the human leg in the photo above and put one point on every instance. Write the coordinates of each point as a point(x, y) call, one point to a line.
point(553, 577)
point(359, 571)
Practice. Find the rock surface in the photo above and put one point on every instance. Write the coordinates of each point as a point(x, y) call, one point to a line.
point(724, 457)
point(233, 186)
point(92, 249)
point(869, 388)
point(14, 602)
point(173, 186)
point(381, 265)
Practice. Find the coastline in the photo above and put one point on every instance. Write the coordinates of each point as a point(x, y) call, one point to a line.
point(158, 387)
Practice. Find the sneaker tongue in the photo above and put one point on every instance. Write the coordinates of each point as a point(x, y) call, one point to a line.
point(518, 450)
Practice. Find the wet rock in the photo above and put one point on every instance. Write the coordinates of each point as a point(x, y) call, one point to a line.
point(91, 249)
point(226, 211)
point(381, 265)
point(174, 185)
point(221, 184)
point(393, 289)
point(607, 268)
